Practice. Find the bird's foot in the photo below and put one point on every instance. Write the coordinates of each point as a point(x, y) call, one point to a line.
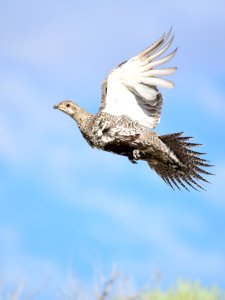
point(132, 160)
point(136, 154)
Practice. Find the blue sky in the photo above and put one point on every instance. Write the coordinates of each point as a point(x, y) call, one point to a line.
point(65, 206)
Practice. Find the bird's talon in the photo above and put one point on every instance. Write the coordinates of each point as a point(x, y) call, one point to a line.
point(132, 160)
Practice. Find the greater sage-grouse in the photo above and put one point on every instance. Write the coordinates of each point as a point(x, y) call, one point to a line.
point(130, 108)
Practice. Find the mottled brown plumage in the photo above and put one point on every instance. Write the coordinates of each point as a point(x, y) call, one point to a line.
point(130, 107)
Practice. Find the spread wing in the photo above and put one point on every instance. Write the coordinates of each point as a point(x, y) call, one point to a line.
point(132, 88)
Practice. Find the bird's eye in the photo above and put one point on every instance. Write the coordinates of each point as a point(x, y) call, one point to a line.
point(67, 105)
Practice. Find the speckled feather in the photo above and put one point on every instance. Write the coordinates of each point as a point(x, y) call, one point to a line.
point(130, 107)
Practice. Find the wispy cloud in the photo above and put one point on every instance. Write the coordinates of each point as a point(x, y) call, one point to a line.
point(212, 99)
point(130, 216)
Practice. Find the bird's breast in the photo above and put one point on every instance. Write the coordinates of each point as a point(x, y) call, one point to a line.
point(111, 141)
point(115, 134)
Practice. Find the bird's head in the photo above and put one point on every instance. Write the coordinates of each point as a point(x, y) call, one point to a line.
point(68, 107)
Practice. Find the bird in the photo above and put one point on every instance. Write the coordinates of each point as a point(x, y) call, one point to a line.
point(130, 109)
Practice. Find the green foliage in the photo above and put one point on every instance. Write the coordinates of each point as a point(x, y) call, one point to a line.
point(184, 291)
point(115, 288)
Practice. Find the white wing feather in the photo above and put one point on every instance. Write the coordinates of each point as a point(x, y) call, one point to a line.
point(132, 86)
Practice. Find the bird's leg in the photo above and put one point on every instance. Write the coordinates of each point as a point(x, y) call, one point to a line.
point(105, 126)
point(136, 154)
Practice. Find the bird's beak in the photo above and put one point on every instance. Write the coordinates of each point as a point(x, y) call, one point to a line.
point(55, 106)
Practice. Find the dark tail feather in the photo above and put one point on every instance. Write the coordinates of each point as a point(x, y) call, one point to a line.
point(186, 174)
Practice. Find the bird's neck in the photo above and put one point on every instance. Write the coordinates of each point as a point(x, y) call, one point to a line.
point(84, 120)
point(82, 117)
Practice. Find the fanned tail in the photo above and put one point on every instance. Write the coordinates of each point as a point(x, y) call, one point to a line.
point(188, 171)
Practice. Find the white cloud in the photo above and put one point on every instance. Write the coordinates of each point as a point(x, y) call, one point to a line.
point(212, 99)
point(24, 273)
point(62, 41)
point(157, 228)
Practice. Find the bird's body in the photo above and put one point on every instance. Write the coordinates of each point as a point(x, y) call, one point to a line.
point(130, 108)
point(122, 136)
